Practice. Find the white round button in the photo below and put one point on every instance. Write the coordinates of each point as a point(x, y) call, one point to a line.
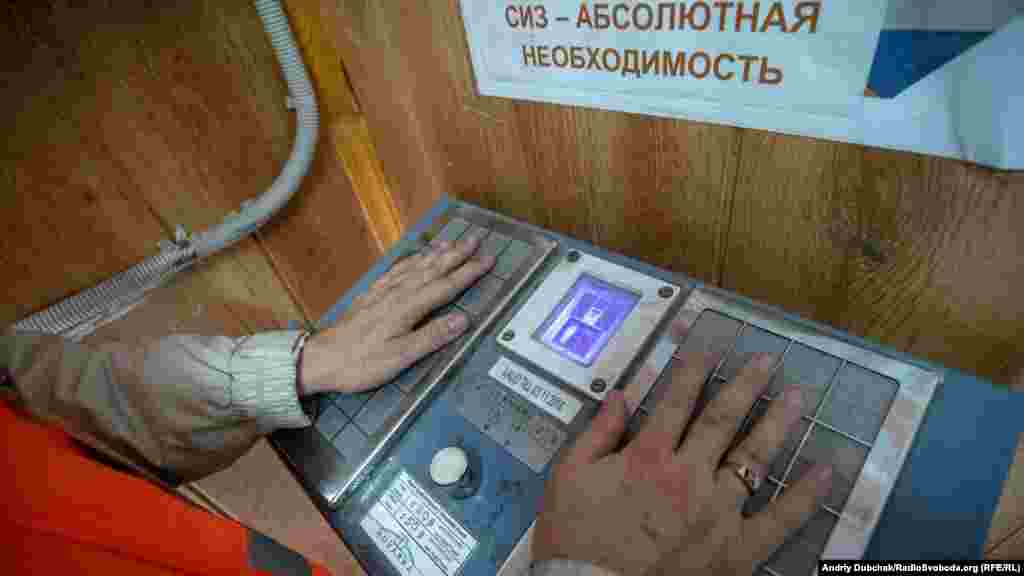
point(448, 465)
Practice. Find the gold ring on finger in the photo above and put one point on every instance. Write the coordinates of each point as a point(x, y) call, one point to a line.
point(750, 478)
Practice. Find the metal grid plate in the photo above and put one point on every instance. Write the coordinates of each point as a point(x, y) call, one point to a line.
point(888, 399)
point(861, 412)
point(353, 431)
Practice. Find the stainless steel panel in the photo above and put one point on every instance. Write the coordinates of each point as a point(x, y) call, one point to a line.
point(859, 402)
point(711, 333)
point(782, 461)
point(525, 432)
point(535, 250)
point(878, 393)
point(352, 444)
point(451, 231)
point(809, 369)
point(655, 299)
point(477, 300)
point(408, 379)
point(753, 340)
point(330, 421)
point(317, 462)
point(494, 244)
point(351, 404)
point(651, 370)
point(847, 458)
point(384, 404)
point(546, 437)
point(515, 254)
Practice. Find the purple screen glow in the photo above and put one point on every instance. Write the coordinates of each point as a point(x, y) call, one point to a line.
point(581, 325)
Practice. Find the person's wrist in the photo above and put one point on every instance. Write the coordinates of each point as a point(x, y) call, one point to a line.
point(309, 368)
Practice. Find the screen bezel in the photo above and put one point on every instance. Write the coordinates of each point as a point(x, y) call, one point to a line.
point(595, 381)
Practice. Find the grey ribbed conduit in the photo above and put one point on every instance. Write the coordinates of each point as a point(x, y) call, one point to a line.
point(81, 314)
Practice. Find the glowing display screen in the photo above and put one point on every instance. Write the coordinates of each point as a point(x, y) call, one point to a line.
point(586, 319)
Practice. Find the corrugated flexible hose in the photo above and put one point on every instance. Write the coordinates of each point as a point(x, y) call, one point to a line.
point(81, 314)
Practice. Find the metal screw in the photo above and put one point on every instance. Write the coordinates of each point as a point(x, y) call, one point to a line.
point(665, 291)
point(598, 386)
point(573, 256)
point(508, 335)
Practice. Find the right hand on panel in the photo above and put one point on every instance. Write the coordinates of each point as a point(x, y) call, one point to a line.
point(669, 503)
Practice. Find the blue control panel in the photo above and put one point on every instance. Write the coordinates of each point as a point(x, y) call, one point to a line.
point(504, 426)
point(441, 472)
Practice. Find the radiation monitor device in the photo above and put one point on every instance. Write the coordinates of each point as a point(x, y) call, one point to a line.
point(440, 472)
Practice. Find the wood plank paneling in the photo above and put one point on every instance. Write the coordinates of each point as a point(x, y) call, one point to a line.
point(595, 175)
point(386, 78)
point(937, 253)
point(977, 280)
point(1006, 532)
point(58, 185)
point(123, 121)
point(1011, 549)
point(672, 176)
point(918, 253)
point(320, 244)
point(127, 127)
point(159, 117)
point(346, 131)
point(776, 249)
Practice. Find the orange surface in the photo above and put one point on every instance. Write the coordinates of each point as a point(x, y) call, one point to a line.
point(68, 514)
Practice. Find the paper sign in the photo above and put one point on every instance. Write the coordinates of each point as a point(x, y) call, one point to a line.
point(415, 533)
point(796, 67)
point(814, 55)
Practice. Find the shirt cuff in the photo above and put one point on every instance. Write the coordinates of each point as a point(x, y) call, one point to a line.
point(562, 567)
point(264, 368)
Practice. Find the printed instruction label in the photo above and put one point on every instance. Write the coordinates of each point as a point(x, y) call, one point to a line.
point(540, 393)
point(415, 533)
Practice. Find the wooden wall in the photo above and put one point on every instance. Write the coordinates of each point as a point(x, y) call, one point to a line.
point(918, 253)
point(124, 120)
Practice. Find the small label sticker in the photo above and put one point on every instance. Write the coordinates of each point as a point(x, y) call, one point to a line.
point(541, 394)
point(415, 533)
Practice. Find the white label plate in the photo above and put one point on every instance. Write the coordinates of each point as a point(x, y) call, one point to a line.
point(540, 393)
point(415, 533)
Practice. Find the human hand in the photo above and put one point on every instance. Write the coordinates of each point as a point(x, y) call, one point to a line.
point(377, 337)
point(663, 504)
